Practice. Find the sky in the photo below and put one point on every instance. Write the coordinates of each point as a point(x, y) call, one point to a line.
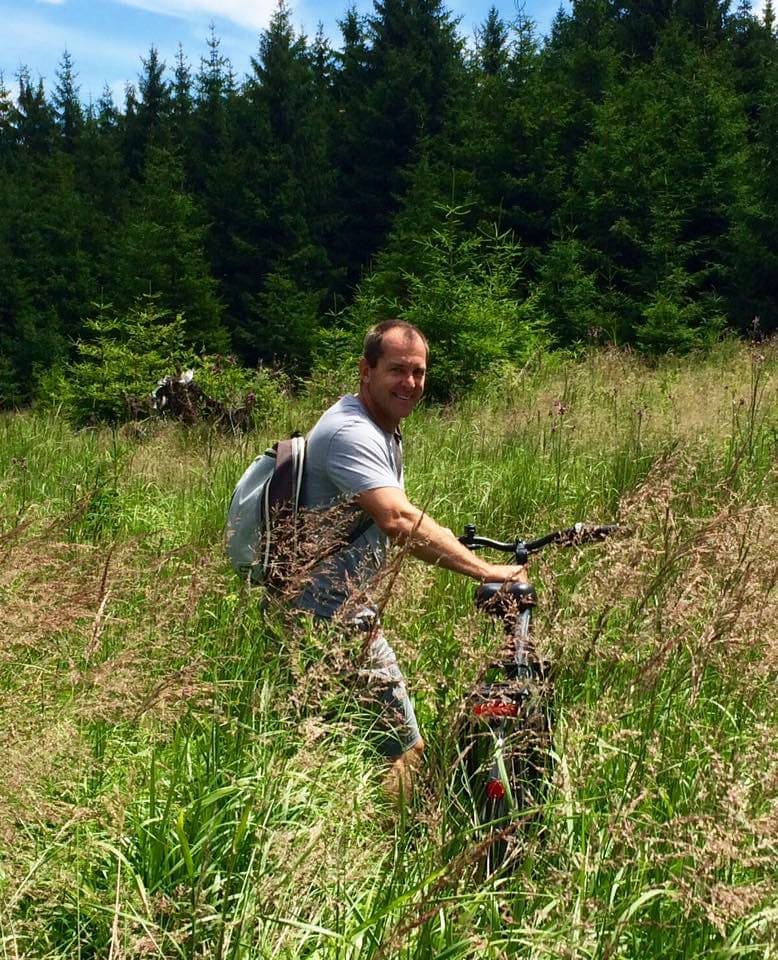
point(107, 38)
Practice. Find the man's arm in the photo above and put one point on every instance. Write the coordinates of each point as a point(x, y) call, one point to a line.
point(397, 517)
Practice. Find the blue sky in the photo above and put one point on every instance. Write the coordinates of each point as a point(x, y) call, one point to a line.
point(107, 38)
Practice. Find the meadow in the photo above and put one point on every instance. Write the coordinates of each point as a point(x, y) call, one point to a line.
point(186, 775)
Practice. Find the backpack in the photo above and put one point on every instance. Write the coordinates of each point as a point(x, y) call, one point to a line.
point(266, 496)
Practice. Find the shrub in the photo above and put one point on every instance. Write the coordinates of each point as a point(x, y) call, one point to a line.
point(119, 366)
point(567, 293)
point(674, 321)
point(467, 295)
point(225, 380)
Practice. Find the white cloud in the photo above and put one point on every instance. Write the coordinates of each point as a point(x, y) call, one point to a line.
point(253, 14)
point(52, 3)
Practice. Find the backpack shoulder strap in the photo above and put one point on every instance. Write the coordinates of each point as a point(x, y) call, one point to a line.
point(280, 484)
point(285, 484)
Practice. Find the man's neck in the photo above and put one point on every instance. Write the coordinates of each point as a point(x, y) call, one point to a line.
point(385, 425)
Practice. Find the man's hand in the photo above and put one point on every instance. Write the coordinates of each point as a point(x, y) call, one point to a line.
point(397, 517)
point(506, 573)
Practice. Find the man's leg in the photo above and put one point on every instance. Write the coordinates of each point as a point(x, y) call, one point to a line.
point(400, 740)
point(401, 776)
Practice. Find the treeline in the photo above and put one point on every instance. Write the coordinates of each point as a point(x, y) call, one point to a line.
point(616, 181)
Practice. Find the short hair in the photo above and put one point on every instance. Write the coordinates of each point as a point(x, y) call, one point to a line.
point(373, 346)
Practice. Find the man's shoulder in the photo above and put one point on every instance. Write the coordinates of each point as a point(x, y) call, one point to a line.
point(345, 415)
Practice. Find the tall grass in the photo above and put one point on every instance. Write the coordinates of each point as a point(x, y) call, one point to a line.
point(183, 778)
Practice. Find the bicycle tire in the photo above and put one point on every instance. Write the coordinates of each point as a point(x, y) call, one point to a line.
point(525, 756)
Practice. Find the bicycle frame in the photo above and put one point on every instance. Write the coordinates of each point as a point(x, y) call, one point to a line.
point(501, 704)
point(513, 711)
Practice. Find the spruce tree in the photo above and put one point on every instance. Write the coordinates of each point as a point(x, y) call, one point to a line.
point(103, 184)
point(214, 89)
point(492, 44)
point(753, 292)
point(768, 18)
point(291, 192)
point(183, 105)
point(161, 253)
point(656, 195)
point(413, 80)
point(509, 141)
point(34, 121)
point(7, 129)
point(221, 138)
point(67, 106)
point(353, 240)
point(46, 273)
point(148, 113)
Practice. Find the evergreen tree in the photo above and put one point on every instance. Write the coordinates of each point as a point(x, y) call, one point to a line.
point(103, 186)
point(7, 119)
point(656, 195)
point(492, 44)
point(413, 77)
point(17, 317)
point(34, 120)
point(147, 117)
point(214, 88)
point(290, 191)
point(582, 62)
point(322, 61)
point(161, 252)
point(423, 211)
point(751, 51)
point(67, 106)
point(120, 359)
point(46, 273)
point(768, 18)
point(510, 153)
point(221, 139)
point(182, 105)
point(353, 240)
point(753, 291)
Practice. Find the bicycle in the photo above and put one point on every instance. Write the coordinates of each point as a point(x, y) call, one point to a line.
point(506, 749)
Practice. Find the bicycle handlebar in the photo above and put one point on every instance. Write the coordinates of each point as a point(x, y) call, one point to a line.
point(572, 536)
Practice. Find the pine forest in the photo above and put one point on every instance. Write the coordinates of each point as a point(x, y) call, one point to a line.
point(611, 183)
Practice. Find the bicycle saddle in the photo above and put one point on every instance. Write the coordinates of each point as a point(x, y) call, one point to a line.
point(502, 598)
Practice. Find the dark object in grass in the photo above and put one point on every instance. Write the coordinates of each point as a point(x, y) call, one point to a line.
point(181, 398)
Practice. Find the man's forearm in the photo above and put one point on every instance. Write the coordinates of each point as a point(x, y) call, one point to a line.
point(399, 519)
point(432, 543)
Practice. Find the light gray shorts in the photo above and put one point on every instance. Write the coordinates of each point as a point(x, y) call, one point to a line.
point(385, 689)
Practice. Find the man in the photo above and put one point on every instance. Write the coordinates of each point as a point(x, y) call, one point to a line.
point(354, 453)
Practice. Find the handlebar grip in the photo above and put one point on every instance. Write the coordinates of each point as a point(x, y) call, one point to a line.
point(586, 533)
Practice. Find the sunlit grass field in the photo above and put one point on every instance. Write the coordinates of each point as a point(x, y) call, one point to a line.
point(185, 775)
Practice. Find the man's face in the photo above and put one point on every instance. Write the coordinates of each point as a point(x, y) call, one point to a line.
point(393, 387)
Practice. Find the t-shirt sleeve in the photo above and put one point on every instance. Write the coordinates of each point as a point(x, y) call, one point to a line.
point(358, 460)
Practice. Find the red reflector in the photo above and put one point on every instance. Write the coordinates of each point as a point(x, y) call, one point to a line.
point(495, 790)
point(496, 708)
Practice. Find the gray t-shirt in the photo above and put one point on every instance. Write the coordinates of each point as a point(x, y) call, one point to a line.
point(347, 453)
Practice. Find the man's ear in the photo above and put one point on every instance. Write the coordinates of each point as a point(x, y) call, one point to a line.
point(364, 370)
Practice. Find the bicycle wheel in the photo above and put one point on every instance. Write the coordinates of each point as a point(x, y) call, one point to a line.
point(507, 760)
point(500, 803)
